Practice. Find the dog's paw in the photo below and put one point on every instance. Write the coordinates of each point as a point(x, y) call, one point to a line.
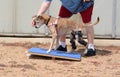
point(28, 55)
point(48, 51)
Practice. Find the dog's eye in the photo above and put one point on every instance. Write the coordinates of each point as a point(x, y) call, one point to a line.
point(39, 17)
point(37, 22)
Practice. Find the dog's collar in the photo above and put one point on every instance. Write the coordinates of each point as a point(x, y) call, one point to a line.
point(48, 20)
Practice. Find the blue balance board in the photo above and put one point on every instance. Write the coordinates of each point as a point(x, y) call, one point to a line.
point(55, 53)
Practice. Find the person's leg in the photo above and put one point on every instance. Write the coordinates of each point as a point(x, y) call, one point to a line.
point(86, 17)
point(63, 13)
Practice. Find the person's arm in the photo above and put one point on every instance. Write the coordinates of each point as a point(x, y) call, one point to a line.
point(45, 5)
point(86, 0)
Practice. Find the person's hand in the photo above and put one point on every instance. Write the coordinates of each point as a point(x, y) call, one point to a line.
point(86, 0)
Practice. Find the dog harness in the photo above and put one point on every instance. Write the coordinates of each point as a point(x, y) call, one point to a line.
point(75, 6)
point(53, 23)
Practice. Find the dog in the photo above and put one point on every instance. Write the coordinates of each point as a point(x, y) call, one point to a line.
point(59, 26)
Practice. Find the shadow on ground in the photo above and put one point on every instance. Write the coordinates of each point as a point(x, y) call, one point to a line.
point(100, 52)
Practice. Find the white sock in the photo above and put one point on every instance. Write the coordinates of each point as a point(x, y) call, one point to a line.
point(91, 46)
point(63, 44)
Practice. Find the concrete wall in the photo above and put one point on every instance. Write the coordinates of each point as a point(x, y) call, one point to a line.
point(16, 16)
point(6, 16)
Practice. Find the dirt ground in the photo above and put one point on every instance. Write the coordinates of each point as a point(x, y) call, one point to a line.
point(15, 63)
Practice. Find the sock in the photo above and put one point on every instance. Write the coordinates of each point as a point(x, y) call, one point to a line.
point(63, 44)
point(91, 46)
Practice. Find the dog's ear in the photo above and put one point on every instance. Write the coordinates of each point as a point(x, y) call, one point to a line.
point(39, 17)
point(35, 16)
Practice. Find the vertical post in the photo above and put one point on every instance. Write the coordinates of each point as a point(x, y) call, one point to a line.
point(14, 26)
point(53, 58)
point(114, 18)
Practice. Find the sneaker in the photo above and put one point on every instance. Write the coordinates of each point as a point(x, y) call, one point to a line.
point(90, 52)
point(60, 48)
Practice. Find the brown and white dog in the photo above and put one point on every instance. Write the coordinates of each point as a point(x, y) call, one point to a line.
point(59, 26)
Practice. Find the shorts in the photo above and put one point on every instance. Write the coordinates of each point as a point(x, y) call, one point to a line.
point(86, 14)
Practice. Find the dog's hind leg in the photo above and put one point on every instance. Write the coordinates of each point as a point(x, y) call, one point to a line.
point(72, 40)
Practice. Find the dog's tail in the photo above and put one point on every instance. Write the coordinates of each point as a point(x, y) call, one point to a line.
point(92, 24)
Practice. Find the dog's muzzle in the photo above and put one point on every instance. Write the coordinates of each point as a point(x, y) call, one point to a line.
point(38, 25)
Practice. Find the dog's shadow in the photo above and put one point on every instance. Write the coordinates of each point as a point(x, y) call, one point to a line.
point(40, 57)
point(50, 58)
point(100, 52)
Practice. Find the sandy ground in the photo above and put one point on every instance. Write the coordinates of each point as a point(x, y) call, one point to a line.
point(14, 62)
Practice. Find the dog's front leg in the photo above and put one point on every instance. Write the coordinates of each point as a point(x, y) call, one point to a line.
point(57, 42)
point(52, 42)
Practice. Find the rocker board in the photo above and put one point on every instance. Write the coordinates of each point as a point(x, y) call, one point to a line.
point(54, 54)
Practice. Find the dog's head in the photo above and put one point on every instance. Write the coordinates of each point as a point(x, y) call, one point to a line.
point(40, 20)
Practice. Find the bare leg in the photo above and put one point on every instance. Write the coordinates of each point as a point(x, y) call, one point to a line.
point(90, 37)
point(62, 46)
point(62, 38)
